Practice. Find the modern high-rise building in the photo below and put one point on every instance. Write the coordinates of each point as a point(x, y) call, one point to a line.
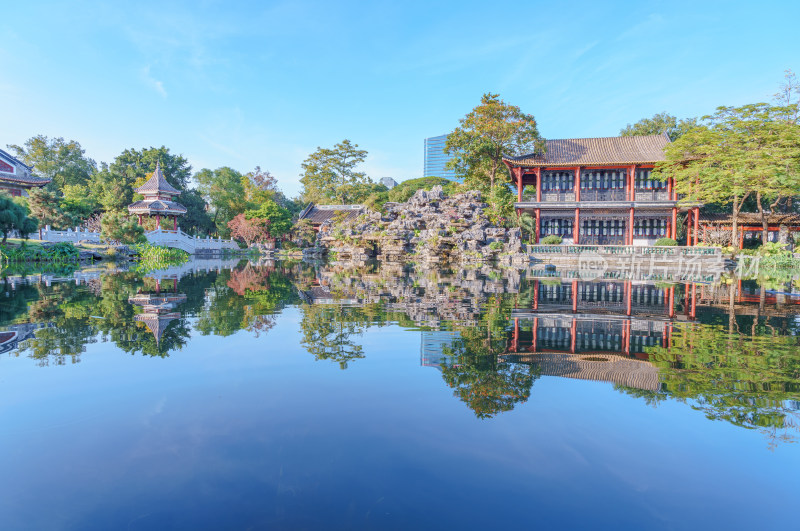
point(436, 158)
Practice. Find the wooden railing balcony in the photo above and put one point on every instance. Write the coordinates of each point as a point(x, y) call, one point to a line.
point(619, 194)
point(651, 195)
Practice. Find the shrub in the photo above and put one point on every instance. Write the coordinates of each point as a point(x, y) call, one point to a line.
point(496, 246)
point(552, 240)
point(666, 242)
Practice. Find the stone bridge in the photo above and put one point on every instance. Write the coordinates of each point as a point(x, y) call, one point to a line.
point(193, 245)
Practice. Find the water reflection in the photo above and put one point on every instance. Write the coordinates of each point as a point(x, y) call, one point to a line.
point(729, 350)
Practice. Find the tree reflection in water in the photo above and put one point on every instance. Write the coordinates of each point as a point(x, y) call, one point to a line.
point(750, 381)
point(736, 363)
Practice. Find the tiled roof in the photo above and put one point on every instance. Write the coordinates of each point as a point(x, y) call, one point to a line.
point(17, 178)
point(596, 151)
point(157, 323)
point(600, 368)
point(751, 218)
point(14, 160)
point(318, 214)
point(157, 183)
point(157, 206)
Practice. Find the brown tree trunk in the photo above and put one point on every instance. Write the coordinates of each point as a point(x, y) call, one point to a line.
point(763, 215)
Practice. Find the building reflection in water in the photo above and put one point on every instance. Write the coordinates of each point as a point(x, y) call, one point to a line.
point(158, 308)
point(596, 330)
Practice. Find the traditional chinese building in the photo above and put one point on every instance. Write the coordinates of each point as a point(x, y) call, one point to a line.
point(599, 191)
point(158, 310)
point(319, 214)
point(159, 200)
point(16, 178)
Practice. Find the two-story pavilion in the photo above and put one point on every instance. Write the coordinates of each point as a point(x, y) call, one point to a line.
point(598, 191)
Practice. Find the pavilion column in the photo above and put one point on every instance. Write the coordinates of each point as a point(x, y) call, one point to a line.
point(538, 223)
point(536, 294)
point(576, 228)
point(158, 220)
point(696, 222)
point(689, 228)
point(518, 176)
point(535, 333)
point(693, 313)
point(630, 227)
point(538, 186)
point(669, 188)
point(515, 342)
point(674, 233)
point(577, 184)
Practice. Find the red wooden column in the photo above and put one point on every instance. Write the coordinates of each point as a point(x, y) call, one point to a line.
point(693, 314)
point(632, 180)
point(669, 188)
point(578, 183)
point(538, 185)
point(628, 297)
point(518, 176)
point(574, 296)
point(538, 222)
point(674, 234)
point(535, 333)
point(696, 222)
point(536, 294)
point(630, 227)
point(140, 219)
point(515, 342)
point(576, 228)
point(573, 336)
point(689, 228)
point(672, 302)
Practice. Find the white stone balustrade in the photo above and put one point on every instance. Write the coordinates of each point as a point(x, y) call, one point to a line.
point(69, 235)
point(180, 240)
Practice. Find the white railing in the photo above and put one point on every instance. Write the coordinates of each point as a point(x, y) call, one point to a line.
point(180, 240)
point(69, 235)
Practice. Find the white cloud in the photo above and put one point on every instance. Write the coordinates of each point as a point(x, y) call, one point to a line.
point(152, 82)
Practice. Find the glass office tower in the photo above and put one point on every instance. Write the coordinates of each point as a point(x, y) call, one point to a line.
point(436, 158)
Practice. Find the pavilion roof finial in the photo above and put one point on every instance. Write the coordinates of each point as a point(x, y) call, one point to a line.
point(157, 184)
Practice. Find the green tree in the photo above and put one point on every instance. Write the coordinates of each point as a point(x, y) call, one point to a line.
point(490, 131)
point(14, 216)
point(116, 226)
point(738, 152)
point(61, 161)
point(277, 219)
point(113, 185)
point(528, 224)
point(44, 206)
point(659, 124)
point(330, 174)
point(77, 203)
point(197, 219)
point(223, 189)
point(403, 191)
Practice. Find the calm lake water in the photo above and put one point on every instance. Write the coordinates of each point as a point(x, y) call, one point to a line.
point(290, 396)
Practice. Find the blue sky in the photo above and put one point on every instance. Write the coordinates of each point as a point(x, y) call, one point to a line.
point(242, 84)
